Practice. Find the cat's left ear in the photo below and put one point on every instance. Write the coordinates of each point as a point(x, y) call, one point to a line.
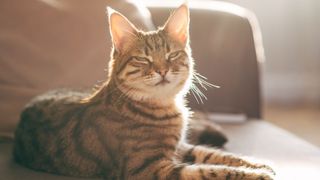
point(121, 29)
point(177, 26)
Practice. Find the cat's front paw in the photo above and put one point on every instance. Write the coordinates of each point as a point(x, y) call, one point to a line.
point(237, 174)
point(256, 175)
point(266, 167)
point(265, 176)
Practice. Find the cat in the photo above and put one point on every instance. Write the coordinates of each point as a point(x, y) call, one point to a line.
point(134, 126)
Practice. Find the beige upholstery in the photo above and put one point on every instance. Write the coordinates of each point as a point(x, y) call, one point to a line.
point(293, 158)
point(53, 44)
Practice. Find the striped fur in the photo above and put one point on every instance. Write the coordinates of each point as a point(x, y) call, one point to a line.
point(134, 126)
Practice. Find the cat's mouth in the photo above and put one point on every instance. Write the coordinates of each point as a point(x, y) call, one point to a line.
point(162, 82)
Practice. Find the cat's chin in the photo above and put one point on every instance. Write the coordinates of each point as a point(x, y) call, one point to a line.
point(162, 82)
point(164, 90)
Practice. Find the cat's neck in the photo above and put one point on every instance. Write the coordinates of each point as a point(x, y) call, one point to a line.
point(111, 94)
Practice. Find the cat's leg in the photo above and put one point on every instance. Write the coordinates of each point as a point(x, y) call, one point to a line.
point(204, 155)
point(201, 131)
point(162, 168)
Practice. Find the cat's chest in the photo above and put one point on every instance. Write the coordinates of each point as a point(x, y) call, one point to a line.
point(164, 119)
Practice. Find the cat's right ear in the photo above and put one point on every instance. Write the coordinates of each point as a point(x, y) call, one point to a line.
point(177, 26)
point(121, 29)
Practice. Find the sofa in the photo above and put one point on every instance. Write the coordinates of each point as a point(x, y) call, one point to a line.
point(55, 44)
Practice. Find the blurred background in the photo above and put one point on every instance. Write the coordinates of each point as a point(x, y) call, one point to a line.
point(291, 73)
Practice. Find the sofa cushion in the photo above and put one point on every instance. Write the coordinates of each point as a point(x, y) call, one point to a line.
point(292, 157)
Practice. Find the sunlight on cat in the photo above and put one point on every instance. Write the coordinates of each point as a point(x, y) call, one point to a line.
point(134, 126)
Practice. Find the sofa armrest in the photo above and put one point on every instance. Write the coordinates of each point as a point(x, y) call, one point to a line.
point(292, 157)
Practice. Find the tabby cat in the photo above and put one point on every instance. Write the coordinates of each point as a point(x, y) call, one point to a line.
point(133, 127)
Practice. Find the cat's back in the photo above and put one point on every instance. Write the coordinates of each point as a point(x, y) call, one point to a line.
point(41, 125)
point(50, 107)
point(63, 96)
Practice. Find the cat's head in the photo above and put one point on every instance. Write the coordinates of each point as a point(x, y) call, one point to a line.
point(151, 65)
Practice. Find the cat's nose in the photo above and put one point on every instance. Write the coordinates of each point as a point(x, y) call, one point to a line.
point(162, 72)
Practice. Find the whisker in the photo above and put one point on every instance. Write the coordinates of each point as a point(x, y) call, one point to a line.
point(195, 90)
point(202, 80)
point(198, 93)
point(192, 92)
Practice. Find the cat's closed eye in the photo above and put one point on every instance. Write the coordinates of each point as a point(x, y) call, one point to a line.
point(140, 59)
point(175, 55)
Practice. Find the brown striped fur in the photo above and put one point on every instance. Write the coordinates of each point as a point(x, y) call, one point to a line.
point(134, 126)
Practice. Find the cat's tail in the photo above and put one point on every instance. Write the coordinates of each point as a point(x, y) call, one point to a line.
point(202, 131)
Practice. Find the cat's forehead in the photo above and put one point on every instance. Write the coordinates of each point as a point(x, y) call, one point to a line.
point(154, 42)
